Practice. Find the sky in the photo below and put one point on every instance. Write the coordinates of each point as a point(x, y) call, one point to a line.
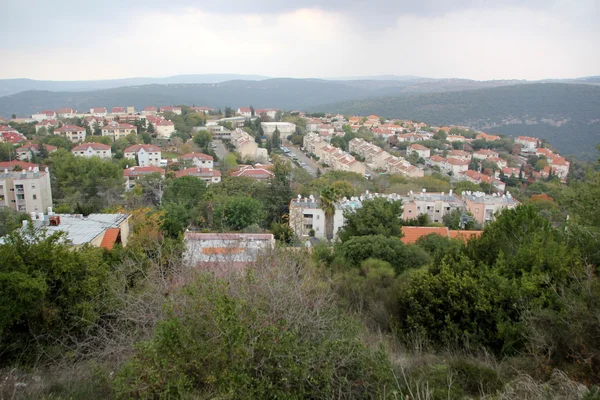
point(473, 39)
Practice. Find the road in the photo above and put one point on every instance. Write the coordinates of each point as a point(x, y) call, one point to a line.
point(311, 165)
point(221, 150)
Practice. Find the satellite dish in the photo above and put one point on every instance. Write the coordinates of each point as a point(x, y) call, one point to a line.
point(299, 197)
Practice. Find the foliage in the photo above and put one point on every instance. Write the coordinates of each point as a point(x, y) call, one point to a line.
point(49, 293)
point(202, 139)
point(238, 213)
point(378, 216)
point(402, 257)
point(92, 181)
point(10, 220)
point(255, 337)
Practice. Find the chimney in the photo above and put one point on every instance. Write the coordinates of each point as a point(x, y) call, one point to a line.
point(55, 220)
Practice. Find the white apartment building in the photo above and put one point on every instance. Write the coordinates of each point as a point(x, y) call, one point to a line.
point(26, 190)
point(200, 160)
point(146, 154)
point(285, 128)
point(164, 128)
point(421, 150)
point(306, 215)
point(244, 144)
point(93, 150)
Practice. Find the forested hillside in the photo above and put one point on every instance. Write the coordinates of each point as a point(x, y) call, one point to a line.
point(567, 115)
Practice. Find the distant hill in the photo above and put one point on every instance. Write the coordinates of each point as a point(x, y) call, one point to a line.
point(12, 86)
point(284, 93)
point(567, 115)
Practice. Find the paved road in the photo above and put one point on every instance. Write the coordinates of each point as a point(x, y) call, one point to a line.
point(221, 150)
point(311, 165)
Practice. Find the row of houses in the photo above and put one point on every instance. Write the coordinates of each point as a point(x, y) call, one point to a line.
point(332, 156)
point(307, 218)
point(381, 160)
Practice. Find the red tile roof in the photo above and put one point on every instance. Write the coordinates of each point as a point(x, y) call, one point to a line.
point(94, 146)
point(136, 171)
point(199, 172)
point(110, 238)
point(10, 165)
point(200, 156)
point(70, 128)
point(138, 147)
point(412, 233)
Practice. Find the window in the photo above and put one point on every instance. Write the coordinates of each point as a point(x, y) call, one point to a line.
point(35, 196)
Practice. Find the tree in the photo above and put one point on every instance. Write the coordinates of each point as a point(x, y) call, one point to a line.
point(390, 249)
point(343, 189)
point(186, 191)
point(238, 213)
point(276, 139)
point(50, 294)
point(378, 216)
point(42, 151)
point(440, 135)
point(202, 139)
point(175, 219)
point(229, 112)
point(252, 113)
point(151, 128)
point(10, 220)
point(327, 199)
point(7, 152)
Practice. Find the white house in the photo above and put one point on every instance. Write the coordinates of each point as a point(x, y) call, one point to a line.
point(200, 160)
point(92, 150)
point(285, 128)
point(146, 154)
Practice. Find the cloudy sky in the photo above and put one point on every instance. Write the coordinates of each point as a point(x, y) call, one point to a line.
point(477, 39)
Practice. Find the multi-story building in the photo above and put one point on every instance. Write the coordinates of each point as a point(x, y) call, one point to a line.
point(98, 112)
point(47, 124)
point(145, 154)
point(28, 151)
point(42, 115)
point(244, 144)
point(117, 131)
point(175, 110)
point(245, 112)
point(486, 137)
point(72, 132)
point(199, 160)
point(478, 177)
point(27, 190)
point(421, 150)
point(307, 217)
point(164, 128)
point(435, 205)
point(460, 155)
point(208, 175)
point(374, 155)
point(484, 207)
point(285, 128)
point(484, 154)
point(92, 150)
point(529, 144)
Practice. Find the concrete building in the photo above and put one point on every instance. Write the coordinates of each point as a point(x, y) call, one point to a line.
point(98, 230)
point(529, 144)
point(306, 216)
point(208, 175)
point(47, 124)
point(224, 253)
point(285, 128)
point(164, 128)
point(98, 112)
point(27, 190)
point(29, 150)
point(175, 110)
point(484, 207)
point(117, 131)
point(72, 132)
point(66, 113)
point(199, 160)
point(484, 154)
point(435, 205)
point(93, 150)
point(42, 115)
point(421, 150)
point(245, 112)
point(145, 154)
point(244, 144)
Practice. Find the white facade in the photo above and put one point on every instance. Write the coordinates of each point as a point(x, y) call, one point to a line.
point(25, 191)
point(93, 150)
point(285, 128)
point(146, 155)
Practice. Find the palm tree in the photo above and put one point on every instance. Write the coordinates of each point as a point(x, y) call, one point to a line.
point(328, 199)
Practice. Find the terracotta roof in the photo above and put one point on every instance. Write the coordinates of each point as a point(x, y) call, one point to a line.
point(35, 147)
point(417, 147)
point(412, 233)
point(118, 109)
point(10, 165)
point(136, 171)
point(200, 156)
point(150, 108)
point(253, 173)
point(98, 110)
point(244, 109)
point(65, 111)
point(138, 147)
point(464, 235)
point(70, 128)
point(110, 238)
point(94, 146)
point(199, 172)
